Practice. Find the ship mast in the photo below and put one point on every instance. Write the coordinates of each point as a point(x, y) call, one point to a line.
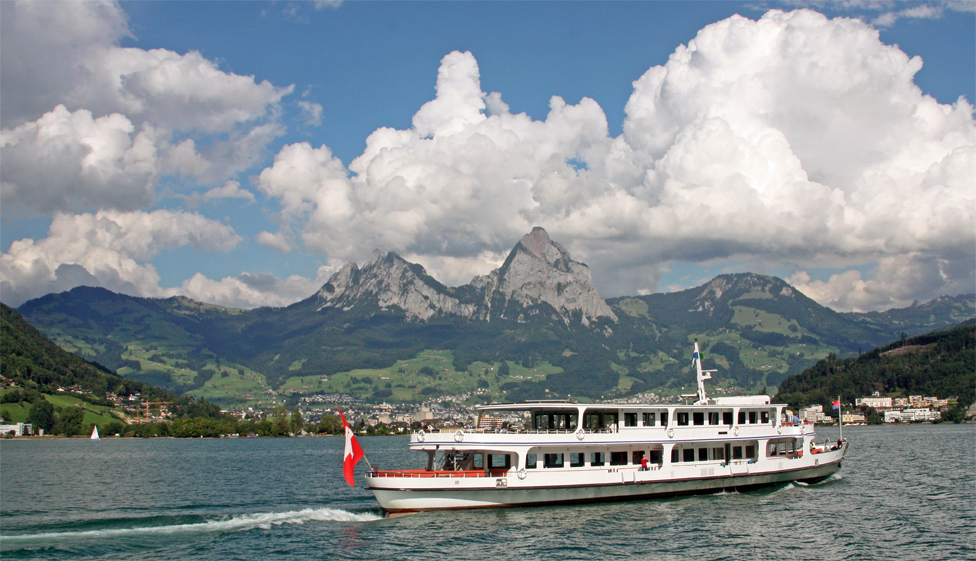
point(702, 376)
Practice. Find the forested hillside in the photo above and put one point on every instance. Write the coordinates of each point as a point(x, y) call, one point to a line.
point(941, 363)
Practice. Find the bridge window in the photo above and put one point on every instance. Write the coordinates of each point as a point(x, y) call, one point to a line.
point(630, 419)
point(713, 418)
point(752, 417)
point(648, 419)
point(765, 417)
point(664, 418)
point(742, 417)
point(727, 418)
point(698, 418)
point(682, 419)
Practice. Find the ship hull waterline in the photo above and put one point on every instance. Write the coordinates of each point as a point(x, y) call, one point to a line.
point(398, 500)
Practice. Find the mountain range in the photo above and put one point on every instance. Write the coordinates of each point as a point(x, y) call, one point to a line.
point(535, 327)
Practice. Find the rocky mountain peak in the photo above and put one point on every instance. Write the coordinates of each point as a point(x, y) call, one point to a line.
point(537, 272)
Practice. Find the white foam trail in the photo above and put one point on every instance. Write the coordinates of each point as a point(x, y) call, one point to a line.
point(262, 520)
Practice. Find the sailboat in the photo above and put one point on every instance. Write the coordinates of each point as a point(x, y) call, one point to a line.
point(94, 435)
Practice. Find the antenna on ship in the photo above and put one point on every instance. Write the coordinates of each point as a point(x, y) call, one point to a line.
point(702, 376)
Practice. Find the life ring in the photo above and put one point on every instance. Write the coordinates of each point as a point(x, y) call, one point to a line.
point(779, 429)
point(521, 474)
point(459, 435)
point(670, 433)
point(421, 435)
point(580, 435)
point(735, 431)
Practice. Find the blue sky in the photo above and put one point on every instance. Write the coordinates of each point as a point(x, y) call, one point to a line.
point(221, 139)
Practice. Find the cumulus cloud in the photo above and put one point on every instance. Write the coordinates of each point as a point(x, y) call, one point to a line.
point(108, 248)
point(797, 140)
point(254, 290)
point(70, 90)
point(276, 241)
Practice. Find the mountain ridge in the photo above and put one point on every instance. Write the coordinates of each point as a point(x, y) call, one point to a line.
point(534, 328)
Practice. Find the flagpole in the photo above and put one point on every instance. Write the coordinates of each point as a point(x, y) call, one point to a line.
point(840, 417)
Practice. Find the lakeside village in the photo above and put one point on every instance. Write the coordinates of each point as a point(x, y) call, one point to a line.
point(320, 413)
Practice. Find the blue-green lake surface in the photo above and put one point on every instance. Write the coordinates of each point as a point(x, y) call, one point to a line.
point(904, 492)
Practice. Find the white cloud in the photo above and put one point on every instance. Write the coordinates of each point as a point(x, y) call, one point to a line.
point(70, 161)
point(794, 140)
point(275, 241)
point(108, 248)
point(251, 291)
point(311, 113)
point(64, 59)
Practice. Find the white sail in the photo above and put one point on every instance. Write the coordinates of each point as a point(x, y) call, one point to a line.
point(94, 435)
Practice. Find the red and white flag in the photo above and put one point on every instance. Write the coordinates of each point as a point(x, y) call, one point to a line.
point(352, 454)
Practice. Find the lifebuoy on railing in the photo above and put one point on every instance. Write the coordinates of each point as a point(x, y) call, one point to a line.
point(670, 433)
point(459, 435)
point(580, 435)
point(521, 474)
point(735, 431)
point(421, 435)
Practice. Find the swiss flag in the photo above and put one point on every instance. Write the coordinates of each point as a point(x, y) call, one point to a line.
point(352, 454)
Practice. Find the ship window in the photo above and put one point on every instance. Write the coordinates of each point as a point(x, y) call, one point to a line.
point(742, 417)
point(674, 455)
point(752, 417)
point(530, 461)
point(682, 419)
point(718, 453)
point(630, 419)
point(479, 461)
point(772, 448)
point(499, 461)
point(657, 457)
point(648, 419)
point(636, 456)
point(664, 418)
point(713, 418)
point(698, 418)
point(737, 452)
point(597, 459)
point(553, 460)
point(765, 417)
point(727, 418)
point(789, 447)
point(703, 454)
point(688, 455)
point(750, 451)
point(576, 459)
point(618, 458)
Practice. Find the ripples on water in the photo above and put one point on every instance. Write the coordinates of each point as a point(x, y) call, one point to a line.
point(904, 492)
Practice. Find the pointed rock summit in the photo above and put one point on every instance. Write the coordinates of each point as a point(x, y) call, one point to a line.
point(538, 278)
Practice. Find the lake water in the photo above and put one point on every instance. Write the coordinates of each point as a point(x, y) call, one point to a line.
point(904, 492)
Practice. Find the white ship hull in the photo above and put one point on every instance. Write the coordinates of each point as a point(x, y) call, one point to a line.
point(407, 494)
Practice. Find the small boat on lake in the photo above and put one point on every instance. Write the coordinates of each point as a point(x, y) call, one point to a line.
point(94, 435)
point(567, 452)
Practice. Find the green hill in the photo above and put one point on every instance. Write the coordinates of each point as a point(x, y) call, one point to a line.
point(941, 363)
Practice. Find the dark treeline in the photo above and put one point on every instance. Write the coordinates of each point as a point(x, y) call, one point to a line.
point(935, 364)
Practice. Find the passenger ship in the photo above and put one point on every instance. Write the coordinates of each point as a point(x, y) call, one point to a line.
point(573, 452)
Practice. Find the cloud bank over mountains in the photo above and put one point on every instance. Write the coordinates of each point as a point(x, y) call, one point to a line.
point(796, 141)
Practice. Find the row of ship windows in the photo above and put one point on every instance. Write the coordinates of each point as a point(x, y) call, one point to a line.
point(599, 459)
point(599, 420)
